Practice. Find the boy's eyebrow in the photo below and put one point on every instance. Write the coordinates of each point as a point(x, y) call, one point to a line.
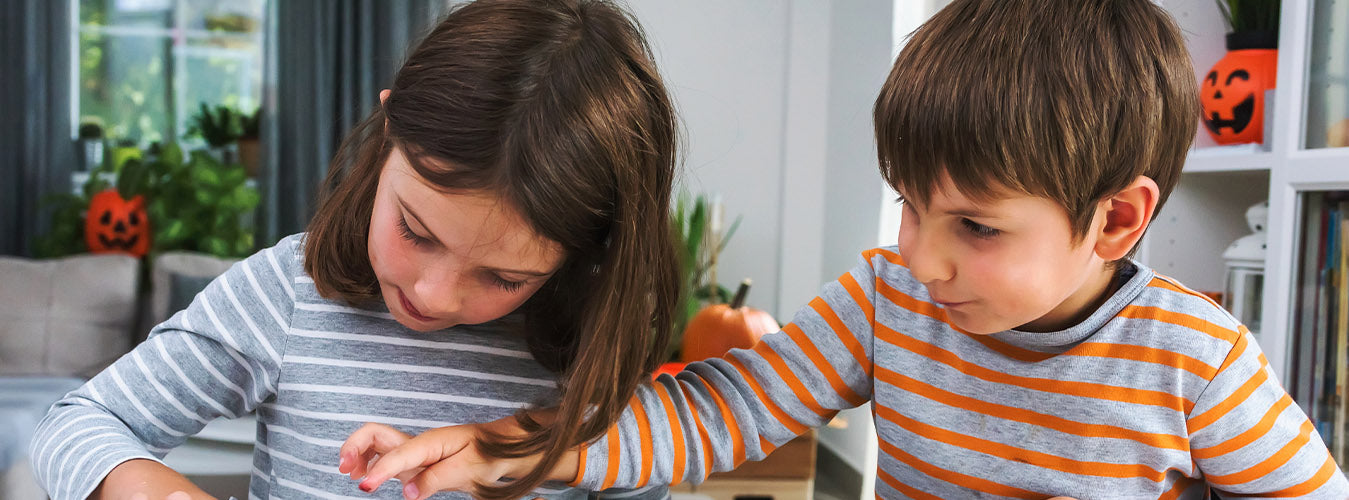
point(527, 272)
point(965, 212)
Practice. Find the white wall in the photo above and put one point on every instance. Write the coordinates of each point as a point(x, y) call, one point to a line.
point(775, 98)
point(725, 64)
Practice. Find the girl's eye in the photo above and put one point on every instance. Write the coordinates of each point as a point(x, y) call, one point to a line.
point(507, 285)
point(407, 233)
point(979, 230)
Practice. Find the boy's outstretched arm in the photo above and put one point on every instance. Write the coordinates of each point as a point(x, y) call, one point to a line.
point(711, 417)
point(1250, 439)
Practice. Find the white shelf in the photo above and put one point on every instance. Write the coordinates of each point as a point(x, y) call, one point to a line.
point(1234, 158)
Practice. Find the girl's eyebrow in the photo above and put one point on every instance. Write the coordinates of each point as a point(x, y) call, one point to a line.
point(517, 271)
point(526, 272)
point(409, 211)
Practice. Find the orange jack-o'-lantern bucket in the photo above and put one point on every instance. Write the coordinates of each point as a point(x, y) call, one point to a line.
point(116, 225)
point(1233, 92)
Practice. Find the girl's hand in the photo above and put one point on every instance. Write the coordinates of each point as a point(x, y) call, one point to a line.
point(437, 460)
point(142, 479)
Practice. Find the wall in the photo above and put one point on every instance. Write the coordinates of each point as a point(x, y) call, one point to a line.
point(775, 98)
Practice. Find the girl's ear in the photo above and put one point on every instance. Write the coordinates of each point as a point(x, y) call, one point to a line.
point(1127, 214)
point(383, 96)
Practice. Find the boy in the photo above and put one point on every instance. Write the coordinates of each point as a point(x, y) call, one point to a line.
point(1008, 344)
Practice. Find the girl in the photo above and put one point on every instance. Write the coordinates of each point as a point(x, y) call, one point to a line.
point(493, 236)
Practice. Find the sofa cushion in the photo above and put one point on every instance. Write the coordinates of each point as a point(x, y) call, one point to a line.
point(66, 317)
point(175, 278)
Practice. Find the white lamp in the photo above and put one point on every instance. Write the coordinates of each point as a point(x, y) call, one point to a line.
point(1245, 260)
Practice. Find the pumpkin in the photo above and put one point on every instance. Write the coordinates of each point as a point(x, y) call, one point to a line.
point(672, 368)
point(719, 328)
point(1233, 95)
point(1338, 134)
point(116, 225)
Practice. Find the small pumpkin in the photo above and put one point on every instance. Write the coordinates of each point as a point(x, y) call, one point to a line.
point(719, 328)
point(1233, 92)
point(117, 225)
point(672, 368)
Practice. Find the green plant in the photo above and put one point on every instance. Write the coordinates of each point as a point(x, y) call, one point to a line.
point(219, 127)
point(700, 241)
point(194, 203)
point(1250, 15)
point(248, 124)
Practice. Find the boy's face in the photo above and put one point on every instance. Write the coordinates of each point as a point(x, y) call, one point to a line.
point(1006, 264)
point(451, 259)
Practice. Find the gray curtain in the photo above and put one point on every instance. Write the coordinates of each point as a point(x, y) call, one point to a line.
point(326, 62)
point(37, 149)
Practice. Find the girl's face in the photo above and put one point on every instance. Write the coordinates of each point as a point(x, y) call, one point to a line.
point(445, 259)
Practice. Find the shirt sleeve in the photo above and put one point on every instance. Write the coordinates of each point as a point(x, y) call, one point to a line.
point(218, 357)
point(720, 412)
point(1249, 438)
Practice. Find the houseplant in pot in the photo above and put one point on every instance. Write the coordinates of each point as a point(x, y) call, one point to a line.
point(1233, 91)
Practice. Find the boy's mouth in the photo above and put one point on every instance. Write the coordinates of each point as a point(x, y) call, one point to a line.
point(948, 303)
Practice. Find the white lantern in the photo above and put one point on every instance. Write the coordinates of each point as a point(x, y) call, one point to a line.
point(1246, 269)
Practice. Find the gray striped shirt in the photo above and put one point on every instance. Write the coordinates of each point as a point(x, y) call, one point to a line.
point(1159, 393)
point(260, 339)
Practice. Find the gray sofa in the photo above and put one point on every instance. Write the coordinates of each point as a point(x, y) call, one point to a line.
point(64, 320)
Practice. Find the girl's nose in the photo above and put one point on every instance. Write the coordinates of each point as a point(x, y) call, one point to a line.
point(440, 296)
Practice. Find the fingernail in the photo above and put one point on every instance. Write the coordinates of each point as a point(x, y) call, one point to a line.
point(367, 487)
point(341, 463)
point(410, 491)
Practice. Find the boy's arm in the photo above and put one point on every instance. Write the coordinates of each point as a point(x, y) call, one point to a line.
point(1249, 438)
point(220, 356)
point(720, 412)
point(710, 417)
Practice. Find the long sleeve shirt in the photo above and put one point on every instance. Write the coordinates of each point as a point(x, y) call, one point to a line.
point(1159, 393)
point(261, 339)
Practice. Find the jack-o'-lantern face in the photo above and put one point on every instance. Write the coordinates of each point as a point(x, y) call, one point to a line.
point(1239, 98)
point(115, 225)
point(1233, 95)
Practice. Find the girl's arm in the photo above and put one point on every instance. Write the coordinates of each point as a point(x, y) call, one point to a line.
point(152, 479)
point(711, 417)
point(220, 356)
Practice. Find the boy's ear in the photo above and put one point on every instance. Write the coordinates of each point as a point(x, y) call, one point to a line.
point(1127, 214)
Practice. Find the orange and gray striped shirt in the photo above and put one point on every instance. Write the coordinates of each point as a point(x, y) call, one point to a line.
point(1158, 394)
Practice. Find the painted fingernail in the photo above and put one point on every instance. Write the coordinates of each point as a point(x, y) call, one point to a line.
point(367, 487)
point(410, 491)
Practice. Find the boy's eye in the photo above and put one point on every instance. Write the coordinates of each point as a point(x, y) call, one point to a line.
point(505, 284)
point(979, 230)
point(407, 233)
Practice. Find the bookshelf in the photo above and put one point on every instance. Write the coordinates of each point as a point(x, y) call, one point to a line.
point(1294, 170)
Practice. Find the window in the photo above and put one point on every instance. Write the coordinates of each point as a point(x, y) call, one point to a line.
point(145, 66)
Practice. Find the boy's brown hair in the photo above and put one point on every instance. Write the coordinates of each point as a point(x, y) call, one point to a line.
point(555, 106)
point(1070, 100)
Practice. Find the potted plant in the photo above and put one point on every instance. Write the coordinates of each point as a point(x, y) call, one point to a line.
point(219, 127)
point(700, 239)
point(248, 142)
point(1233, 91)
point(192, 202)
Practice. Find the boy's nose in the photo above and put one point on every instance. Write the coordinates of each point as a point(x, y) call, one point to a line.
point(928, 265)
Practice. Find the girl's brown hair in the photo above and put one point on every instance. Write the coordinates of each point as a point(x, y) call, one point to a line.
point(1070, 100)
point(555, 106)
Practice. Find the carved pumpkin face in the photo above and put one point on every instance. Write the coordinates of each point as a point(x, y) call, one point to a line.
point(1233, 95)
point(115, 225)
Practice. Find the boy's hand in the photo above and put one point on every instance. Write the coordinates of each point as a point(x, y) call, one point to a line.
point(437, 460)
